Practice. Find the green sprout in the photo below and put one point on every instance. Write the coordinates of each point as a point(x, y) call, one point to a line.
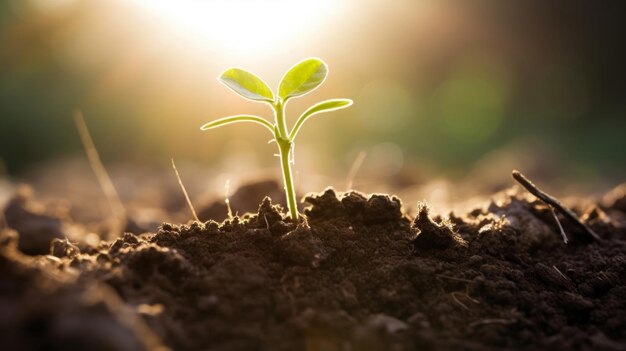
point(299, 80)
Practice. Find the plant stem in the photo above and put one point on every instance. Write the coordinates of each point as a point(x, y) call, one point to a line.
point(284, 145)
point(285, 149)
point(279, 109)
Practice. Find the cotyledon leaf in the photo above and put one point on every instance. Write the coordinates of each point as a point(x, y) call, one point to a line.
point(302, 78)
point(236, 119)
point(247, 85)
point(324, 106)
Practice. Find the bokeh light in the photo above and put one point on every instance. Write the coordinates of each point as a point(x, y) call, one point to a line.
point(441, 85)
point(471, 102)
point(385, 106)
point(244, 27)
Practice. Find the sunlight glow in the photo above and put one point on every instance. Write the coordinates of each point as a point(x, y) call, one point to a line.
point(243, 26)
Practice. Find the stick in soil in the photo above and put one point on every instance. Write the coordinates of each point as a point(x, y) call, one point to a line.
point(117, 208)
point(554, 204)
point(561, 273)
point(182, 187)
point(556, 219)
point(356, 165)
point(466, 294)
point(459, 301)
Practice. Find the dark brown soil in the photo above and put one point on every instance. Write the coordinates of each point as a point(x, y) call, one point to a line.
point(356, 274)
point(44, 309)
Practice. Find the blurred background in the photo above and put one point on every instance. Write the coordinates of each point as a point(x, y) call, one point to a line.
point(446, 92)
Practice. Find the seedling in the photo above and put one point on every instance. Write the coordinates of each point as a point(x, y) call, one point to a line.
point(299, 80)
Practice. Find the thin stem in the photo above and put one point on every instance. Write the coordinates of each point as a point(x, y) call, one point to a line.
point(285, 149)
point(279, 110)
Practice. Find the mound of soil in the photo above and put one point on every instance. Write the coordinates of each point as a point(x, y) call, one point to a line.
point(356, 273)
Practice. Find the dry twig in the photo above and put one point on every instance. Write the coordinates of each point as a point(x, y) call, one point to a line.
point(554, 204)
point(561, 273)
point(182, 187)
point(119, 212)
point(556, 219)
point(356, 165)
point(453, 294)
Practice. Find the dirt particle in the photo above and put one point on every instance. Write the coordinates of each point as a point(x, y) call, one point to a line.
point(149, 260)
point(354, 202)
point(130, 238)
point(382, 209)
point(433, 235)
point(63, 248)
point(301, 247)
point(324, 205)
point(268, 214)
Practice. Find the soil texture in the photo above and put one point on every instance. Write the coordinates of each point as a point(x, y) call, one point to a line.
point(355, 273)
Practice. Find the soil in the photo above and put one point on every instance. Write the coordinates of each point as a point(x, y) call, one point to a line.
point(355, 273)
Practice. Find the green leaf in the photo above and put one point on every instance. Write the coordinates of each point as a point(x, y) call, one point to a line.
point(302, 78)
point(324, 106)
point(236, 119)
point(247, 85)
